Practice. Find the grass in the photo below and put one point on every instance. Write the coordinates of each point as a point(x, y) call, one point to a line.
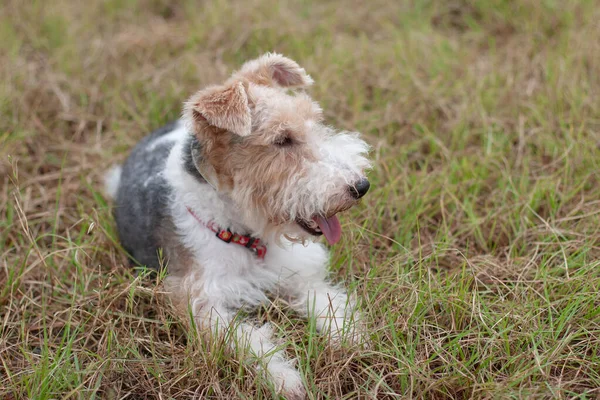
point(474, 257)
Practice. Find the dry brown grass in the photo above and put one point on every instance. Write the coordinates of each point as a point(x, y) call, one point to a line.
point(475, 255)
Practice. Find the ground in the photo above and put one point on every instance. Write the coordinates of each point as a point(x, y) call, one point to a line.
point(474, 256)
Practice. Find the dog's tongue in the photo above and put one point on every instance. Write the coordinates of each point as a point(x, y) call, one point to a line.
point(330, 227)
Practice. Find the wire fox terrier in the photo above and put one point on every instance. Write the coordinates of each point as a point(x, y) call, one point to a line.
point(234, 193)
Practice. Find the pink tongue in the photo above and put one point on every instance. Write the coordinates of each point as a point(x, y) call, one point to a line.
point(330, 227)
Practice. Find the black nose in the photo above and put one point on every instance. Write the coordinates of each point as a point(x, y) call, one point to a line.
point(360, 188)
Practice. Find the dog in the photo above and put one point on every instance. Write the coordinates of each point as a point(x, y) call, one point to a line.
point(235, 194)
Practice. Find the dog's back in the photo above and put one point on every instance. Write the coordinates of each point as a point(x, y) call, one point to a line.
point(141, 194)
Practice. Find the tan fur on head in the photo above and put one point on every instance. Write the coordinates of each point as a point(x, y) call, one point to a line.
point(273, 69)
point(225, 107)
point(268, 150)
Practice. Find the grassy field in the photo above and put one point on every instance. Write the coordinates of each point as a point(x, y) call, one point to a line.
point(474, 256)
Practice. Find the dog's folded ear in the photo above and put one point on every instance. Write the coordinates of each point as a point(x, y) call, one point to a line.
point(225, 107)
point(274, 69)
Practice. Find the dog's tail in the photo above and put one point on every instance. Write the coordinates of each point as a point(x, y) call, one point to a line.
point(112, 178)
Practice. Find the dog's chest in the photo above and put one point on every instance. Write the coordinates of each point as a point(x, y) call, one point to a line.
point(227, 269)
point(236, 271)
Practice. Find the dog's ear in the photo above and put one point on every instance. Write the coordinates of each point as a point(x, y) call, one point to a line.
point(225, 107)
point(274, 69)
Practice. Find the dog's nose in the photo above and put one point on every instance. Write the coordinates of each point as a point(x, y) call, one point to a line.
point(360, 188)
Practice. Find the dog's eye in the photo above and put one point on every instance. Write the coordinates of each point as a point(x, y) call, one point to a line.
point(283, 141)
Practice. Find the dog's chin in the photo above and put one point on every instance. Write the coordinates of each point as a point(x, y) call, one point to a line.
point(310, 227)
point(303, 229)
point(326, 225)
point(295, 231)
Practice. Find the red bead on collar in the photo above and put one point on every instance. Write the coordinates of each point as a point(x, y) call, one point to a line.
point(252, 244)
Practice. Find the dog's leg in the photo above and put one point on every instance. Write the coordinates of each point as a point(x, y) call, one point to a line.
point(257, 341)
point(330, 307)
point(303, 280)
point(212, 316)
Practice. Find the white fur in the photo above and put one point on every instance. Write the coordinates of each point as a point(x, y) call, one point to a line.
point(175, 135)
point(226, 277)
point(112, 178)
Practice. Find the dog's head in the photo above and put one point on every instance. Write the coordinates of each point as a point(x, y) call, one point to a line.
point(265, 146)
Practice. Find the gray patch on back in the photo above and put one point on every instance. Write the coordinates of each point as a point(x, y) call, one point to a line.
point(142, 198)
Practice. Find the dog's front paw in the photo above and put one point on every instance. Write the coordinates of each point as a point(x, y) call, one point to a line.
point(287, 380)
point(358, 334)
point(346, 330)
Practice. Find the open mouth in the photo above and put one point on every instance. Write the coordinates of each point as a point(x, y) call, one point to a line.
point(320, 225)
